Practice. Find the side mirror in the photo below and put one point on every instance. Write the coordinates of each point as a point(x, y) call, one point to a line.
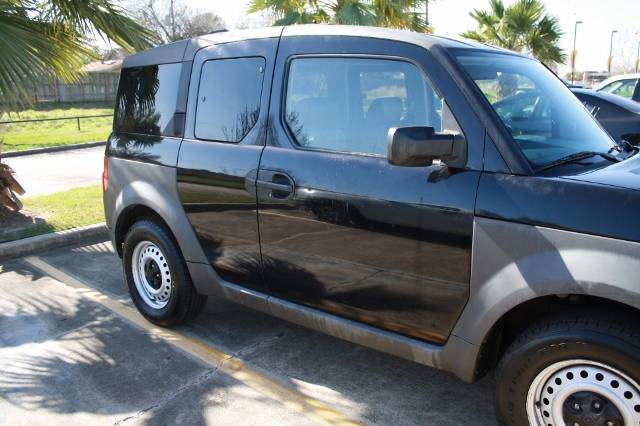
point(420, 146)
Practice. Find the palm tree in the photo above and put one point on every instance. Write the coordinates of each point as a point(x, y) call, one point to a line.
point(383, 13)
point(289, 12)
point(401, 14)
point(51, 38)
point(524, 27)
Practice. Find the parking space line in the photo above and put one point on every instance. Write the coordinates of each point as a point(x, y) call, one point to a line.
point(236, 368)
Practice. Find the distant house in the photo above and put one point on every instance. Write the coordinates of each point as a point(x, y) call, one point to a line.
point(99, 84)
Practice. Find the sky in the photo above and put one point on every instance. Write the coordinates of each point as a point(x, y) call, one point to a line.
point(451, 17)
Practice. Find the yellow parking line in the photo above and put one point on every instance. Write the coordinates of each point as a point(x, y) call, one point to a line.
point(269, 386)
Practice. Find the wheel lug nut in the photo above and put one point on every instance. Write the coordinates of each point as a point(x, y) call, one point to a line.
point(576, 406)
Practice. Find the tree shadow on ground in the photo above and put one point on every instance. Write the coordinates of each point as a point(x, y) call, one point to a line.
point(21, 224)
point(62, 353)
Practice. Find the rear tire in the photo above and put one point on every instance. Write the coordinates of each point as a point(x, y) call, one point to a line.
point(582, 369)
point(157, 277)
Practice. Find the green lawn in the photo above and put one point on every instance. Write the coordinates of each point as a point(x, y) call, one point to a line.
point(63, 210)
point(21, 136)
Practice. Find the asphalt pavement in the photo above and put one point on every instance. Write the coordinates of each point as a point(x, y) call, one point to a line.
point(48, 173)
point(74, 351)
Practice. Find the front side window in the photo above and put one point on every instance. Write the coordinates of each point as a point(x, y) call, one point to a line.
point(544, 118)
point(147, 98)
point(349, 104)
point(229, 98)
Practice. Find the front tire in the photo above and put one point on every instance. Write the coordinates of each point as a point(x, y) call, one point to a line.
point(577, 369)
point(156, 275)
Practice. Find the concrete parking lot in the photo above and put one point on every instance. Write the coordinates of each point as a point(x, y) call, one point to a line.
point(74, 351)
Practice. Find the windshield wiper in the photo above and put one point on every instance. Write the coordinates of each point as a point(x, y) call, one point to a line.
point(582, 155)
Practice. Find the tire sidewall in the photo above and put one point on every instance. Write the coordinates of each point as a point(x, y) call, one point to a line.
point(148, 231)
point(527, 361)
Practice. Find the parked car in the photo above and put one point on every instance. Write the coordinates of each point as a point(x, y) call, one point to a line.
point(619, 116)
point(375, 185)
point(573, 85)
point(625, 85)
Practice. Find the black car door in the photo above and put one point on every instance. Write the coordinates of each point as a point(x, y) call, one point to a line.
point(341, 229)
point(224, 137)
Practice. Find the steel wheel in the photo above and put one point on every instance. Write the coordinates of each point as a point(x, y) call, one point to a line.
point(151, 274)
point(582, 392)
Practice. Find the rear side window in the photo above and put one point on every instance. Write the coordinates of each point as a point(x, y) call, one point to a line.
point(229, 98)
point(349, 104)
point(147, 99)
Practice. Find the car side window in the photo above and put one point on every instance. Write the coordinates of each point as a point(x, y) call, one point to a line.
point(229, 98)
point(349, 104)
point(621, 87)
point(146, 101)
point(625, 89)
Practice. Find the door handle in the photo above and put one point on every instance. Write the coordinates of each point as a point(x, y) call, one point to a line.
point(274, 185)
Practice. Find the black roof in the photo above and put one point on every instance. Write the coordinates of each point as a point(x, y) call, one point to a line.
point(185, 50)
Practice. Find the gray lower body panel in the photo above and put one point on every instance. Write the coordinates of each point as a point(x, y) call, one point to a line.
point(514, 263)
point(457, 355)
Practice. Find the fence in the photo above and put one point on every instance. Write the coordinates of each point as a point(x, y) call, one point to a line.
point(17, 135)
point(91, 88)
point(77, 118)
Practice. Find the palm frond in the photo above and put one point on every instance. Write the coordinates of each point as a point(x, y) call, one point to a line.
point(32, 49)
point(354, 12)
point(51, 38)
point(101, 17)
point(523, 26)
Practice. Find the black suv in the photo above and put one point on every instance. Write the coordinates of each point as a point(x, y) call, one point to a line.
point(377, 185)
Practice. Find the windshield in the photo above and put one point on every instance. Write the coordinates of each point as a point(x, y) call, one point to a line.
point(545, 119)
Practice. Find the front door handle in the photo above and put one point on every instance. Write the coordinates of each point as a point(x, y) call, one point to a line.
point(274, 185)
point(282, 187)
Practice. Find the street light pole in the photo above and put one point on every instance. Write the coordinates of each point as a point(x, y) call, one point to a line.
point(638, 57)
point(573, 52)
point(611, 51)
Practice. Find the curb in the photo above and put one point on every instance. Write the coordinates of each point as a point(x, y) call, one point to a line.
point(49, 149)
point(56, 239)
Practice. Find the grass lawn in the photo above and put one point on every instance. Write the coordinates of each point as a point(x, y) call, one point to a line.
point(21, 136)
point(60, 211)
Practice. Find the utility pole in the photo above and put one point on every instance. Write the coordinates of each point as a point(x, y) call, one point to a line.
point(573, 52)
point(611, 53)
point(638, 55)
point(426, 14)
point(173, 22)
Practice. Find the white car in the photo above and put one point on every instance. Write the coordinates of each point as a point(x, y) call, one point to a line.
point(622, 85)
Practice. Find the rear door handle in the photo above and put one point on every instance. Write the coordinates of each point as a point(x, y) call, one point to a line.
point(274, 185)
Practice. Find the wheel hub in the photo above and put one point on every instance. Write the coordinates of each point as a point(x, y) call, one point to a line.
point(583, 393)
point(152, 274)
point(589, 408)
